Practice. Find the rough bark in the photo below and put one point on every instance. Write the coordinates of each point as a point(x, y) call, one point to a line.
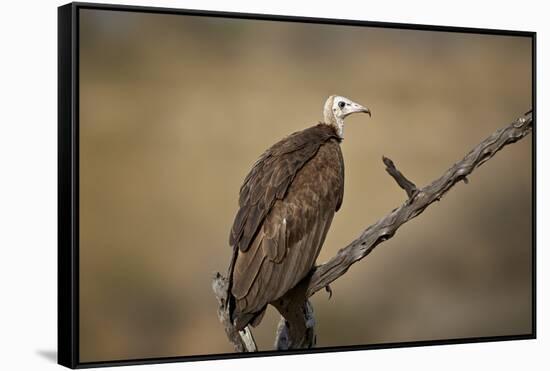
point(297, 327)
point(242, 341)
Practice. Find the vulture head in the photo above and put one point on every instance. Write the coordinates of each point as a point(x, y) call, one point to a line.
point(337, 108)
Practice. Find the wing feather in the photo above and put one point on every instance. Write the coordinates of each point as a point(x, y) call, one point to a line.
point(248, 269)
point(271, 176)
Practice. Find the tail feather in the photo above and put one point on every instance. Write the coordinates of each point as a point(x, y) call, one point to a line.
point(241, 320)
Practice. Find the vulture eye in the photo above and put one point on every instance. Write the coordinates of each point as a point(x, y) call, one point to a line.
point(341, 104)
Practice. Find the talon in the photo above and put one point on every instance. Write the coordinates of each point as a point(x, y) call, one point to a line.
point(329, 290)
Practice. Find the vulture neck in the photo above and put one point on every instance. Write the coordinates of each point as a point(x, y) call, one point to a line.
point(335, 122)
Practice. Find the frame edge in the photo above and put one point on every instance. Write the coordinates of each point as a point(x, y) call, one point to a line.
point(67, 294)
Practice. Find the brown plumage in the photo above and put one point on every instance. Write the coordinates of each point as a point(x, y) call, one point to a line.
point(286, 205)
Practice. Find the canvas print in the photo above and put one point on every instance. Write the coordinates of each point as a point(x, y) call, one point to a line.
point(255, 185)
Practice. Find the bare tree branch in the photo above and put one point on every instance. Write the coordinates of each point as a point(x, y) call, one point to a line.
point(418, 201)
point(297, 327)
point(403, 182)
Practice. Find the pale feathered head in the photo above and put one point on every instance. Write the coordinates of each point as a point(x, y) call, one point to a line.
point(337, 108)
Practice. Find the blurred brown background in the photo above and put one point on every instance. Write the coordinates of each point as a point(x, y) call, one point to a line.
point(175, 109)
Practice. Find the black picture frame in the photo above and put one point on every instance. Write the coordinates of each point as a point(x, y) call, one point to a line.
point(68, 181)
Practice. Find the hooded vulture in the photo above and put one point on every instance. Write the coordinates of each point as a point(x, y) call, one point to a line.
point(286, 205)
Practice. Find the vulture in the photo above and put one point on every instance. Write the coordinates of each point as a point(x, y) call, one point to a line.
point(286, 205)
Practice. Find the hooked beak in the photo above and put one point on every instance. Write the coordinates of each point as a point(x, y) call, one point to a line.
point(355, 107)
